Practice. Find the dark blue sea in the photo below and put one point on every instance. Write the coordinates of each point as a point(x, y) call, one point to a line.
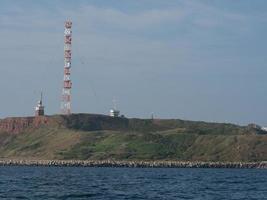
point(131, 183)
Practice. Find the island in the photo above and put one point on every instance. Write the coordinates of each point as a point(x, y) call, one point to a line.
point(101, 140)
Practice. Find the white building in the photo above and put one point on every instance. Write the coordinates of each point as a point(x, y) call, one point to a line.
point(114, 113)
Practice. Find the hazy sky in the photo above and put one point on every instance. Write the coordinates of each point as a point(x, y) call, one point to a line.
point(199, 60)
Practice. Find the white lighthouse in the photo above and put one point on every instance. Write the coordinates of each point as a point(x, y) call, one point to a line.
point(39, 109)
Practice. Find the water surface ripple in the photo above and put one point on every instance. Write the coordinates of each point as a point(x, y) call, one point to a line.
point(131, 183)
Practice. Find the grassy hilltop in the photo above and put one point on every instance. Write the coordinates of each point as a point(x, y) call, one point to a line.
point(87, 136)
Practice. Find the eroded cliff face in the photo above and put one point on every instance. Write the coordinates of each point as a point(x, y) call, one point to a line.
point(85, 122)
point(16, 125)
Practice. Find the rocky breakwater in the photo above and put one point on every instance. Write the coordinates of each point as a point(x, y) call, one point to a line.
point(133, 164)
point(16, 125)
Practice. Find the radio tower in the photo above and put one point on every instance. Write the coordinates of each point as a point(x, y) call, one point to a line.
point(66, 91)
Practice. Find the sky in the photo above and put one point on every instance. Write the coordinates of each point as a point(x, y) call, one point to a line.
point(188, 59)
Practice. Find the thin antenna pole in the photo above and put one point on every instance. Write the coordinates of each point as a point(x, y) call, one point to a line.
point(41, 97)
point(114, 104)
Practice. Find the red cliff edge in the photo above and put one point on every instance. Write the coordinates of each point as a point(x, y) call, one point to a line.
point(16, 125)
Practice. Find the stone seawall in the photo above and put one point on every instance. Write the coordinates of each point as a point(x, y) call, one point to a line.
point(133, 164)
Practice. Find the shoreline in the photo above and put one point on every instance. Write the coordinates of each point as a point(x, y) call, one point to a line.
point(133, 164)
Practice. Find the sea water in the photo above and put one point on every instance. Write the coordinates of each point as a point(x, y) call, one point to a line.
point(131, 183)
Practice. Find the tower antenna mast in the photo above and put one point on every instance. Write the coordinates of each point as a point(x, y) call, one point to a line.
point(67, 84)
point(41, 99)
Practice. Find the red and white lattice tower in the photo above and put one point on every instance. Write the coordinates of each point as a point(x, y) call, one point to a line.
point(66, 91)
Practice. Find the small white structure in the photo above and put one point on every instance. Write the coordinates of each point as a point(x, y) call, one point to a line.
point(264, 128)
point(39, 109)
point(114, 113)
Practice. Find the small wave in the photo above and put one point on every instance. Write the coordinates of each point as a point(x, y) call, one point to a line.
point(72, 196)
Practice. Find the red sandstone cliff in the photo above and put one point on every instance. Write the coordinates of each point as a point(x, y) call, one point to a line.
point(17, 125)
